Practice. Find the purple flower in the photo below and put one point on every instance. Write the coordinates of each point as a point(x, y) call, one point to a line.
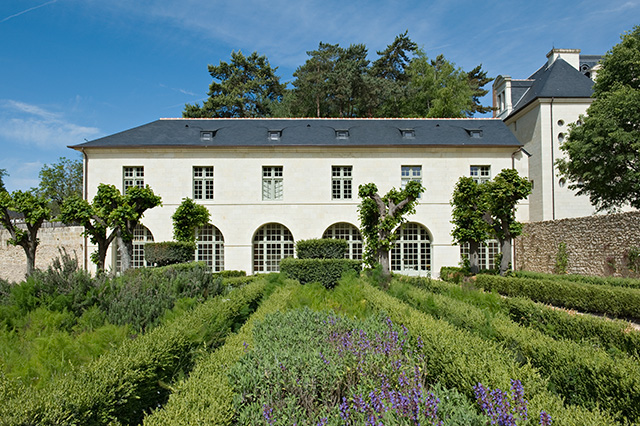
point(545, 418)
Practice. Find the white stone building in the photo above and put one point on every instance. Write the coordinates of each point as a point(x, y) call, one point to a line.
point(271, 182)
point(538, 110)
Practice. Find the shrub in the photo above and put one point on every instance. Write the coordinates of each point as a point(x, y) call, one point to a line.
point(325, 271)
point(327, 248)
point(562, 259)
point(614, 301)
point(232, 274)
point(453, 274)
point(588, 279)
point(169, 252)
point(121, 386)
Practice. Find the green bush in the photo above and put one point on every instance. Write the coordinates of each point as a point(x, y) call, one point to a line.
point(206, 396)
point(326, 248)
point(325, 271)
point(232, 274)
point(588, 279)
point(453, 274)
point(169, 252)
point(123, 385)
point(582, 374)
point(601, 299)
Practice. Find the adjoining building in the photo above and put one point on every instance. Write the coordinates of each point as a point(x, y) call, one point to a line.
point(271, 182)
point(539, 110)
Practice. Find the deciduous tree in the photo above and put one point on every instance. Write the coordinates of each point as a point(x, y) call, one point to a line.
point(60, 181)
point(380, 218)
point(34, 210)
point(187, 217)
point(603, 153)
point(469, 217)
point(246, 87)
point(110, 216)
point(3, 173)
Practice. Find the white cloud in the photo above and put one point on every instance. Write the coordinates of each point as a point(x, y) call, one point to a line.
point(34, 125)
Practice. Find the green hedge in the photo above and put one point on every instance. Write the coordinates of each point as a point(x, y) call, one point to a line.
point(614, 301)
point(611, 335)
point(325, 271)
point(326, 248)
point(452, 274)
point(582, 374)
point(122, 385)
point(459, 359)
point(169, 252)
point(206, 396)
point(588, 279)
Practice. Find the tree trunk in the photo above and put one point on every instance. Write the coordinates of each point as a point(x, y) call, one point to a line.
point(102, 254)
point(125, 248)
point(474, 257)
point(505, 262)
point(383, 258)
point(30, 251)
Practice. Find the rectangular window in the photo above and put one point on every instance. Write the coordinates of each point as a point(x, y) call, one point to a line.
point(341, 185)
point(272, 183)
point(202, 183)
point(480, 174)
point(411, 173)
point(132, 176)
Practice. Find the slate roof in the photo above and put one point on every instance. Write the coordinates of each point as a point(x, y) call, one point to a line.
point(560, 80)
point(249, 132)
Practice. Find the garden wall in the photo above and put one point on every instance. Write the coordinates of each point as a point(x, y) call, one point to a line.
point(595, 245)
point(13, 262)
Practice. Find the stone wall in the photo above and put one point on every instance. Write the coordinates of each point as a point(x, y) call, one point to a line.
point(596, 245)
point(13, 261)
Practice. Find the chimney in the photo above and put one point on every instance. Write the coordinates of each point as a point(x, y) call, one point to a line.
point(571, 56)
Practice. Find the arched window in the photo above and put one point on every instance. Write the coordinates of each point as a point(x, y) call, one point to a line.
point(412, 251)
point(487, 253)
point(348, 232)
point(210, 247)
point(271, 243)
point(141, 236)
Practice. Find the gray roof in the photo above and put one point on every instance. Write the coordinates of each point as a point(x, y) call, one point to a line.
point(250, 132)
point(560, 80)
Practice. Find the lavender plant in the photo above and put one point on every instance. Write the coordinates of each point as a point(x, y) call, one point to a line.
point(506, 409)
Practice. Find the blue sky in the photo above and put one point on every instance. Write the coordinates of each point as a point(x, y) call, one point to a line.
point(72, 70)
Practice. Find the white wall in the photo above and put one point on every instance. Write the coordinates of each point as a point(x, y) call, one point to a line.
point(307, 208)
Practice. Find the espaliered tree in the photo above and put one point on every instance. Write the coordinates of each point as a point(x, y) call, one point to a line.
point(110, 216)
point(34, 210)
point(380, 218)
point(469, 217)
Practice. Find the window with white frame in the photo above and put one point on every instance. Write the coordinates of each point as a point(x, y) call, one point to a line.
point(272, 183)
point(488, 252)
point(271, 243)
point(132, 176)
point(341, 182)
point(412, 250)
point(202, 183)
point(141, 236)
point(410, 173)
point(210, 247)
point(480, 174)
point(349, 233)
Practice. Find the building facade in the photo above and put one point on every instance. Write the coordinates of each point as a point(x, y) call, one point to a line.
point(538, 110)
point(271, 182)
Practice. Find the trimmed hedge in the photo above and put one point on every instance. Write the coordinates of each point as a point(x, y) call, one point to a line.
point(611, 335)
point(582, 374)
point(169, 252)
point(325, 248)
point(614, 301)
point(588, 279)
point(461, 360)
point(121, 386)
point(206, 396)
point(325, 271)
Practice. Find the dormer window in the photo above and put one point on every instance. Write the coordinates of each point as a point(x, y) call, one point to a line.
point(475, 133)
point(342, 134)
point(275, 135)
point(408, 133)
point(206, 135)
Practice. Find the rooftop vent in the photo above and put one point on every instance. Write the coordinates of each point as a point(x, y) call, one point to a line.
point(408, 133)
point(275, 135)
point(474, 133)
point(207, 135)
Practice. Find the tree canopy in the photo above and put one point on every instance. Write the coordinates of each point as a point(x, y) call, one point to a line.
point(343, 82)
point(187, 217)
point(60, 181)
point(380, 218)
point(3, 173)
point(111, 215)
point(603, 152)
point(33, 210)
point(245, 87)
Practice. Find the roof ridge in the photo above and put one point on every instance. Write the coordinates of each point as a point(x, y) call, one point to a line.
point(329, 118)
